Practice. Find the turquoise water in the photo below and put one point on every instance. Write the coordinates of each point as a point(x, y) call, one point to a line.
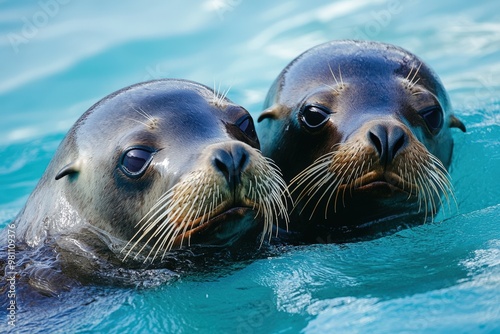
point(59, 57)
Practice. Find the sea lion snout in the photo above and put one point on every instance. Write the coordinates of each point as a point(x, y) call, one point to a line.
point(361, 131)
point(181, 168)
point(388, 140)
point(231, 160)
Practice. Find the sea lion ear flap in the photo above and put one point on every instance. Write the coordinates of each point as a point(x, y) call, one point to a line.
point(272, 112)
point(71, 168)
point(456, 123)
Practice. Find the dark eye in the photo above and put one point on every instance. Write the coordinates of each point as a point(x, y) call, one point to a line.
point(135, 161)
point(433, 117)
point(245, 124)
point(314, 117)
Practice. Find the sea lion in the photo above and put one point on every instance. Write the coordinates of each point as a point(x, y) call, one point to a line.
point(152, 168)
point(361, 132)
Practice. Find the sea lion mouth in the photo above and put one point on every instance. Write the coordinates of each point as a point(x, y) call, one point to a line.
point(224, 224)
point(202, 210)
point(386, 182)
point(345, 175)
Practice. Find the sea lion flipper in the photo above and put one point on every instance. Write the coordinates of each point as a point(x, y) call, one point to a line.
point(71, 168)
point(456, 123)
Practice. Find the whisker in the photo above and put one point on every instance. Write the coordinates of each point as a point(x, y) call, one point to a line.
point(409, 73)
point(334, 78)
point(191, 203)
point(333, 177)
point(137, 121)
point(412, 82)
point(341, 79)
point(224, 95)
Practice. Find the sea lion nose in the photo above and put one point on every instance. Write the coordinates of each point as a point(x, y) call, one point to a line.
point(231, 161)
point(388, 141)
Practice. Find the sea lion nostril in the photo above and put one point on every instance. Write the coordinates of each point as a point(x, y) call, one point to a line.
point(223, 163)
point(377, 135)
point(231, 163)
point(388, 141)
point(376, 141)
point(241, 157)
point(400, 141)
point(396, 141)
point(222, 167)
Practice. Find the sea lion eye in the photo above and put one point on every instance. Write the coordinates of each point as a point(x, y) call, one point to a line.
point(245, 124)
point(433, 117)
point(314, 117)
point(135, 161)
